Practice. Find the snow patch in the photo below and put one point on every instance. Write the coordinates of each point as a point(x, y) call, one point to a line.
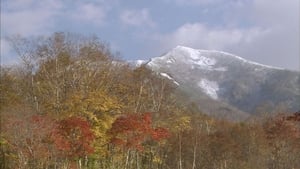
point(195, 57)
point(209, 87)
point(210, 62)
point(153, 65)
point(166, 75)
point(204, 61)
point(199, 59)
point(140, 62)
point(242, 59)
point(176, 83)
point(171, 60)
point(137, 63)
point(169, 77)
point(193, 54)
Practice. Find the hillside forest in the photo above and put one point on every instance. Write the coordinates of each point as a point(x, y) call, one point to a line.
point(73, 104)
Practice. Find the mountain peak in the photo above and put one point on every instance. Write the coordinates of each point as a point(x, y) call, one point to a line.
point(185, 55)
point(208, 57)
point(226, 78)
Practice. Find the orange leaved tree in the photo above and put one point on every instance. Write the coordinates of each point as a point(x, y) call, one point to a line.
point(133, 133)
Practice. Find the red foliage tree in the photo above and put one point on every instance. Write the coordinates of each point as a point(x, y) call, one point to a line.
point(284, 126)
point(132, 130)
point(28, 137)
point(294, 121)
point(73, 137)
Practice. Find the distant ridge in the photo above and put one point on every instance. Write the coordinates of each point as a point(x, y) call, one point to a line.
point(225, 81)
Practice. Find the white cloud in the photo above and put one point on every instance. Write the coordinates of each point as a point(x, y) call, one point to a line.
point(89, 12)
point(25, 4)
point(272, 46)
point(28, 17)
point(195, 2)
point(281, 47)
point(265, 31)
point(31, 17)
point(198, 35)
point(137, 18)
point(15, 23)
point(279, 12)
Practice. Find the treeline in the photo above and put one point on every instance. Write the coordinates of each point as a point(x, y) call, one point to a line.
point(71, 103)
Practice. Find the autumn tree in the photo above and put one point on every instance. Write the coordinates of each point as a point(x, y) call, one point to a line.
point(27, 137)
point(282, 133)
point(132, 133)
point(73, 138)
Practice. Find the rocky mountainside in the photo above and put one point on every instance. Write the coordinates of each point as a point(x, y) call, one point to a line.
point(223, 83)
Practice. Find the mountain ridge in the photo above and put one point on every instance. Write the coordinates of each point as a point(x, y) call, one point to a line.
point(193, 51)
point(228, 79)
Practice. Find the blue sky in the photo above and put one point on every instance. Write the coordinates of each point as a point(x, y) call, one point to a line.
point(265, 31)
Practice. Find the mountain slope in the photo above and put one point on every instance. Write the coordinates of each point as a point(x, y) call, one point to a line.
point(228, 80)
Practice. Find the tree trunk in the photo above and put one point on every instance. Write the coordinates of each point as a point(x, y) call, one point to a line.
point(127, 159)
point(137, 160)
point(79, 163)
point(180, 151)
point(195, 152)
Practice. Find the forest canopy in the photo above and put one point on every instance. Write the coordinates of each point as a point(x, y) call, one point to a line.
point(72, 103)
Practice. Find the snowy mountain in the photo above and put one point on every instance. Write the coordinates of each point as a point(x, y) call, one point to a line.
point(227, 81)
point(136, 63)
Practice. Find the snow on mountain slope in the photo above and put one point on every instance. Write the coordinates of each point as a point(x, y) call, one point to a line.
point(170, 78)
point(211, 88)
point(137, 63)
point(228, 78)
point(202, 59)
point(185, 55)
point(185, 63)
